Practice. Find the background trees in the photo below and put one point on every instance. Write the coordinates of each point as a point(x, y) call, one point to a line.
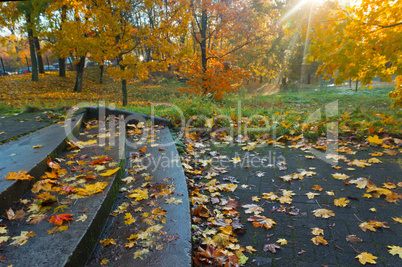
point(216, 45)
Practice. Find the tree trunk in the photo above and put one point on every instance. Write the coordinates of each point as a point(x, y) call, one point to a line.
point(32, 48)
point(62, 67)
point(101, 73)
point(62, 61)
point(80, 75)
point(204, 20)
point(39, 55)
point(260, 78)
point(357, 83)
point(124, 91)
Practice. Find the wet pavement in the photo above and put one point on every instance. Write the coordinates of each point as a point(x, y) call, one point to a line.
point(259, 172)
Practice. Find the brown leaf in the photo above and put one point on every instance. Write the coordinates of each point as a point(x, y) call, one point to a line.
point(271, 247)
point(353, 239)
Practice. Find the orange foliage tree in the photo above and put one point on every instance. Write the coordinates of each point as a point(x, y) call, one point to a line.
point(220, 30)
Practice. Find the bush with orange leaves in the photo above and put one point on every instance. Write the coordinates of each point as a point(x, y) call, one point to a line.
point(219, 78)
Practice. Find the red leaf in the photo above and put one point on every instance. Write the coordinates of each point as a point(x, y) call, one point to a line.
point(59, 219)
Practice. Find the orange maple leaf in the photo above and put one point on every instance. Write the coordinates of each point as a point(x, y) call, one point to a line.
point(21, 175)
point(59, 219)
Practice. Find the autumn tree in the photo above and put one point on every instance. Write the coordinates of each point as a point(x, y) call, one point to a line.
point(360, 41)
point(219, 30)
point(140, 34)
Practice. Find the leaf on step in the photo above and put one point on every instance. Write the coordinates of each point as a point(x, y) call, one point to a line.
point(110, 172)
point(60, 218)
point(21, 175)
point(22, 239)
point(395, 250)
point(107, 241)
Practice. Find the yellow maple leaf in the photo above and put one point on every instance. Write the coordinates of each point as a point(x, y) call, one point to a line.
point(250, 249)
point(340, 176)
point(366, 258)
point(3, 230)
point(317, 231)
point(173, 200)
point(107, 241)
point(341, 202)
point(21, 175)
point(311, 195)
point(282, 241)
point(4, 239)
point(91, 189)
point(104, 261)
point(129, 218)
point(394, 250)
point(324, 213)
point(22, 239)
point(110, 172)
point(397, 219)
point(140, 253)
point(319, 240)
point(139, 194)
point(374, 140)
point(377, 154)
point(374, 160)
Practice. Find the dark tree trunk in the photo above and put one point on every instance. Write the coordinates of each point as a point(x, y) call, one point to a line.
point(260, 78)
point(39, 55)
point(62, 61)
point(32, 48)
point(80, 75)
point(204, 20)
point(357, 83)
point(62, 67)
point(101, 73)
point(124, 91)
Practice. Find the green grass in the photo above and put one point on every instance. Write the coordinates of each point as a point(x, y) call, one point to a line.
point(361, 113)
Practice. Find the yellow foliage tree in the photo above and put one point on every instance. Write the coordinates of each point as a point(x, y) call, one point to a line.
point(360, 41)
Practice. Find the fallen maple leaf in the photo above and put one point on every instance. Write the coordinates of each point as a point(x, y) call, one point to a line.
point(21, 175)
point(324, 213)
point(372, 225)
point(282, 241)
point(271, 247)
point(317, 231)
point(139, 194)
point(4, 239)
point(91, 189)
point(261, 221)
point(395, 250)
point(353, 239)
point(129, 219)
point(374, 140)
point(140, 253)
point(311, 195)
point(341, 202)
point(110, 172)
point(104, 261)
point(366, 258)
point(19, 214)
point(59, 219)
point(319, 240)
point(253, 208)
point(397, 219)
point(107, 241)
point(340, 176)
point(173, 200)
point(22, 239)
point(82, 218)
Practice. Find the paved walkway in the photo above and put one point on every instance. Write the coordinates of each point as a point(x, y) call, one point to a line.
point(296, 229)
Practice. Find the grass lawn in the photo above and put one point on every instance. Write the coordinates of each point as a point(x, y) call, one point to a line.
point(359, 114)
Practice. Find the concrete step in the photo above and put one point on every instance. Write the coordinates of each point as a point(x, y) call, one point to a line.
point(20, 155)
point(154, 164)
point(73, 246)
